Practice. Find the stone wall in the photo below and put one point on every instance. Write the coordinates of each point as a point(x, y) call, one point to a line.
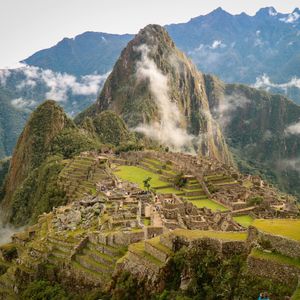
point(273, 270)
point(274, 242)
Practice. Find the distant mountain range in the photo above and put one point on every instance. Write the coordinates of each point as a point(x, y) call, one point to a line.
point(260, 50)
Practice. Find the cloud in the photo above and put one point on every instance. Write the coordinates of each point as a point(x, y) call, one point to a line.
point(167, 130)
point(293, 129)
point(59, 85)
point(224, 111)
point(291, 18)
point(6, 232)
point(217, 44)
point(292, 164)
point(265, 83)
point(21, 103)
point(4, 74)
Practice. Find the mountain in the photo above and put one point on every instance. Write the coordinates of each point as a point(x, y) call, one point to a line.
point(158, 92)
point(31, 184)
point(262, 130)
point(24, 88)
point(219, 43)
point(87, 53)
point(12, 121)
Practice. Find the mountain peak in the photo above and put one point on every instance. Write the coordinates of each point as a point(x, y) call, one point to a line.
point(219, 12)
point(267, 11)
point(153, 34)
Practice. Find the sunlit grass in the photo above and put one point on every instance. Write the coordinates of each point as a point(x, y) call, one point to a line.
point(244, 220)
point(285, 227)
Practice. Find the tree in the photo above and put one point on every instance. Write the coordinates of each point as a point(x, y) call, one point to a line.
point(147, 183)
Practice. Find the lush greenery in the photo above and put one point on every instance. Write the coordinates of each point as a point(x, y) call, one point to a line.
point(244, 220)
point(71, 142)
point(138, 175)
point(39, 192)
point(213, 205)
point(44, 290)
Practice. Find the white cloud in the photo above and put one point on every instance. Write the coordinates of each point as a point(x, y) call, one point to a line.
point(265, 83)
point(59, 84)
point(228, 106)
point(293, 164)
point(217, 44)
point(4, 74)
point(167, 130)
point(21, 103)
point(291, 18)
point(293, 129)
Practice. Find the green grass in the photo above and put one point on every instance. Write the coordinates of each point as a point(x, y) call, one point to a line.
point(223, 235)
point(168, 190)
point(285, 227)
point(138, 175)
point(244, 220)
point(214, 206)
point(139, 249)
point(296, 295)
point(276, 257)
point(147, 222)
point(155, 242)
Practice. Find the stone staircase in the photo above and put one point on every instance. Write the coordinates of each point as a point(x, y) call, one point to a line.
point(60, 249)
point(193, 190)
point(97, 260)
point(79, 177)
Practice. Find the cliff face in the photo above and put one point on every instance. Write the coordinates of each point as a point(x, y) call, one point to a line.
point(257, 126)
point(159, 92)
point(33, 146)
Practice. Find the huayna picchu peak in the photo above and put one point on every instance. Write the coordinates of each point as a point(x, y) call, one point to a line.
point(172, 185)
point(158, 92)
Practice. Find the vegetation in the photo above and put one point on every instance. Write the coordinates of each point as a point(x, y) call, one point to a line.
point(276, 257)
point(137, 175)
point(196, 234)
point(244, 220)
point(111, 129)
point(179, 180)
point(71, 142)
point(44, 290)
point(146, 183)
point(257, 200)
point(288, 228)
point(214, 206)
point(39, 192)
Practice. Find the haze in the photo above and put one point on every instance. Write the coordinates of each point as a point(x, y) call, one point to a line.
point(31, 25)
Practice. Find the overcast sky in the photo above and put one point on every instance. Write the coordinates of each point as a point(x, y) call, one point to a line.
point(27, 26)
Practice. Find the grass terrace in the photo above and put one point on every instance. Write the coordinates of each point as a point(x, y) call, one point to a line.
point(214, 206)
point(244, 220)
point(285, 227)
point(138, 175)
point(276, 257)
point(223, 235)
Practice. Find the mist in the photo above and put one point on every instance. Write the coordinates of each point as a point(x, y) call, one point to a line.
point(6, 231)
point(167, 130)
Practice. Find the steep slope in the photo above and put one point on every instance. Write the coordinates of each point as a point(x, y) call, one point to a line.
point(48, 137)
point(158, 92)
point(262, 130)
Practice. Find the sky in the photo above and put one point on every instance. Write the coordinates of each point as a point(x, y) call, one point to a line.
point(27, 26)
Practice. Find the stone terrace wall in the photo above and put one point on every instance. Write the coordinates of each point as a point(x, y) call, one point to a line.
point(276, 243)
point(270, 269)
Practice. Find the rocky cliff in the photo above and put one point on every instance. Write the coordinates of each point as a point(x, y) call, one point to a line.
point(159, 92)
point(261, 129)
